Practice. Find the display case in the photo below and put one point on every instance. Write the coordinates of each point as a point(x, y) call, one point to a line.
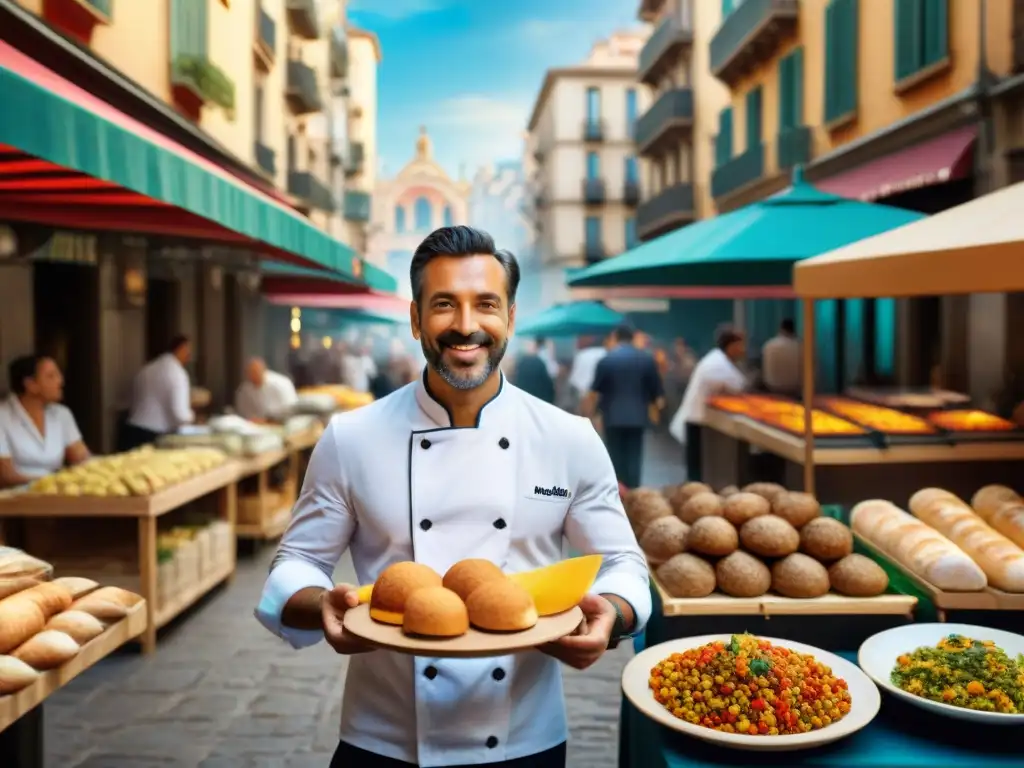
point(892, 426)
point(972, 425)
point(788, 416)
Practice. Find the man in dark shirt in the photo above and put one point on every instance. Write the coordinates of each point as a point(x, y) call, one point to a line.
point(531, 375)
point(626, 385)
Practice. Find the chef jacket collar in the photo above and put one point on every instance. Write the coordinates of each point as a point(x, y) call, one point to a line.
point(439, 413)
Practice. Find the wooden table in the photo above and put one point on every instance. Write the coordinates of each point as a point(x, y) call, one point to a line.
point(221, 481)
point(21, 714)
point(850, 474)
point(260, 516)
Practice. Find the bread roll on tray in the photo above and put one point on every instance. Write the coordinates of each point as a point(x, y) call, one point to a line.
point(47, 650)
point(918, 547)
point(1003, 509)
point(1000, 559)
point(20, 619)
point(15, 675)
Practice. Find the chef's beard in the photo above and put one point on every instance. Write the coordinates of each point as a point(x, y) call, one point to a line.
point(460, 377)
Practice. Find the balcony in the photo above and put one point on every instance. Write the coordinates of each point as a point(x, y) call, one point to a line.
point(357, 206)
point(304, 18)
point(663, 48)
point(593, 129)
point(750, 36)
point(356, 161)
point(669, 120)
point(303, 91)
point(311, 192)
point(76, 18)
point(265, 159)
point(631, 192)
point(649, 9)
point(593, 191)
point(339, 53)
point(594, 252)
point(738, 172)
point(196, 81)
point(793, 147)
point(265, 46)
point(667, 210)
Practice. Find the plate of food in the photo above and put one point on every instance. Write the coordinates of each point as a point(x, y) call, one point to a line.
point(473, 610)
point(752, 693)
point(957, 670)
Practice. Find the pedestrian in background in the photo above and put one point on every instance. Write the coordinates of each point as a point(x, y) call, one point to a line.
point(533, 374)
point(780, 361)
point(627, 389)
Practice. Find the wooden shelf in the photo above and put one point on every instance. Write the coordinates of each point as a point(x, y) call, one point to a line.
point(28, 505)
point(300, 441)
point(261, 462)
point(271, 528)
point(831, 604)
point(14, 706)
point(168, 611)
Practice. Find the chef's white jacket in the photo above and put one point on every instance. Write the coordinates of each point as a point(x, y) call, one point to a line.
point(395, 481)
point(162, 396)
point(273, 400)
point(714, 374)
point(36, 454)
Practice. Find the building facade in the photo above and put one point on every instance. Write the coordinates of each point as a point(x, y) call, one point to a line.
point(887, 101)
point(675, 137)
point(409, 206)
point(585, 178)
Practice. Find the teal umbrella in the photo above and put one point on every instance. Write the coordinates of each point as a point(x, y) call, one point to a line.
point(753, 246)
point(580, 318)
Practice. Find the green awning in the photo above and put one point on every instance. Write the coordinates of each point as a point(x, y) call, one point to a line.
point(48, 117)
point(373, 277)
point(753, 246)
point(580, 318)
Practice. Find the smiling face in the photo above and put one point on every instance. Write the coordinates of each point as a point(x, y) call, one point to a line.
point(463, 319)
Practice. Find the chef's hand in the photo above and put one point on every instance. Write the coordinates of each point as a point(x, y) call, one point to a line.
point(590, 641)
point(333, 604)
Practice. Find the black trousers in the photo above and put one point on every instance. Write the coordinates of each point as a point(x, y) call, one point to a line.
point(347, 756)
point(626, 449)
point(692, 452)
point(132, 437)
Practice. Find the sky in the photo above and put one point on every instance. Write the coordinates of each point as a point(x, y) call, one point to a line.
point(470, 70)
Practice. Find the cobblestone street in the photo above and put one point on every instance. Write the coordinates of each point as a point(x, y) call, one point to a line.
point(221, 692)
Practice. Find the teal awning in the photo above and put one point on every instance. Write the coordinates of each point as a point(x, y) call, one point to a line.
point(580, 318)
point(374, 278)
point(369, 317)
point(148, 175)
point(753, 246)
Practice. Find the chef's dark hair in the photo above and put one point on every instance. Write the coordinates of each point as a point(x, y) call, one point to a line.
point(461, 241)
point(787, 325)
point(22, 368)
point(177, 343)
point(728, 337)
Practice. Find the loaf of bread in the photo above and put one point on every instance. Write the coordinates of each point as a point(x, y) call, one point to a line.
point(917, 547)
point(47, 650)
point(15, 675)
point(990, 498)
point(12, 585)
point(50, 597)
point(81, 626)
point(19, 620)
point(1000, 559)
point(77, 586)
point(107, 604)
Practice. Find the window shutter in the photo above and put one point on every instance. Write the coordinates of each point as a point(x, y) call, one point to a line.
point(831, 81)
point(796, 79)
point(785, 93)
point(723, 141)
point(753, 118)
point(907, 31)
point(936, 31)
point(841, 56)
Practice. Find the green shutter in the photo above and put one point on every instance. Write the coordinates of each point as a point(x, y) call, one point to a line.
point(796, 77)
point(907, 32)
point(753, 118)
point(935, 46)
point(723, 141)
point(841, 57)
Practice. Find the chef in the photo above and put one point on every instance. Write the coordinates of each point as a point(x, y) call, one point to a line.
point(161, 397)
point(458, 464)
point(38, 435)
point(264, 395)
point(717, 372)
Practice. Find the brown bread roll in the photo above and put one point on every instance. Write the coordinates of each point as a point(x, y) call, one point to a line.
point(15, 675)
point(77, 586)
point(81, 626)
point(51, 598)
point(20, 619)
point(47, 650)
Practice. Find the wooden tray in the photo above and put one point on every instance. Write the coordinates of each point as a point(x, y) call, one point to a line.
point(473, 644)
point(131, 626)
point(988, 599)
point(832, 604)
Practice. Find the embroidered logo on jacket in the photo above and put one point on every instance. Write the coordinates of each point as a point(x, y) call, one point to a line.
point(554, 491)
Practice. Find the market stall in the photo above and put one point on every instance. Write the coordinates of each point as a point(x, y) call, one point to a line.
point(166, 531)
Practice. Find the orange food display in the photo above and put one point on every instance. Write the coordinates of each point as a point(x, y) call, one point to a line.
point(970, 420)
point(886, 420)
point(786, 415)
point(750, 405)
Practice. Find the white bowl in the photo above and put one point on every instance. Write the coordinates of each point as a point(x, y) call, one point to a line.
point(864, 698)
point(877, 657)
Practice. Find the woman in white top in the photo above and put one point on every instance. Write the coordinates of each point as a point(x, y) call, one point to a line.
point(38, 435)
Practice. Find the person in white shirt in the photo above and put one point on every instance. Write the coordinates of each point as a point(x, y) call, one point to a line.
point(265, 395)
point(717, 372)
point(584, 366)
point(38, 435)
point(491, 473)
point(161, 397)
point(780, 361)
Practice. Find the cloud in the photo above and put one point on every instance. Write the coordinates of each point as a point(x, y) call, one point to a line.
point(481, 111)
point(394, 10)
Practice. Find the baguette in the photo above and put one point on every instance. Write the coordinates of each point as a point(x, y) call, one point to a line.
point(20, 619)
point(922, 550)
point(990, 498)
point(51, 598)
point(47, 650)
point(107, 604)
point(77, 586)
point(1000, 559)
point(15, 675)
point(81, 626)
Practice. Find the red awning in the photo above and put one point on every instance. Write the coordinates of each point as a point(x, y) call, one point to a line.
point(945, 158)
point(374, 302)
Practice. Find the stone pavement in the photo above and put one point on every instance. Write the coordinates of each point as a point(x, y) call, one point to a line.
point(221, 692)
